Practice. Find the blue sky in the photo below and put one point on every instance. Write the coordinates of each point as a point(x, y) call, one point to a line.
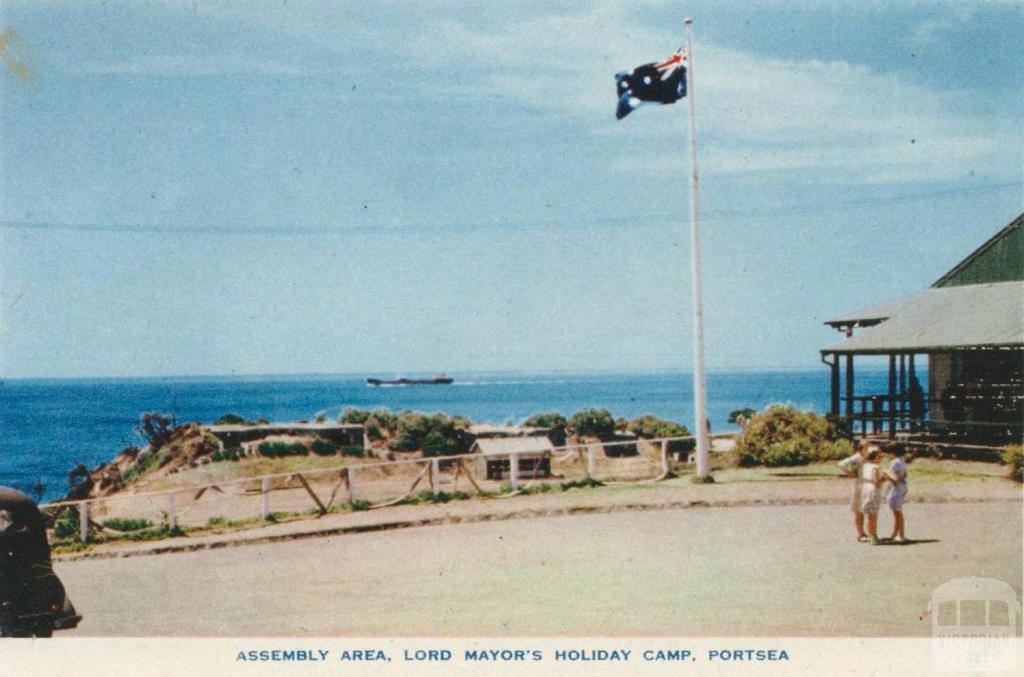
point(297, 187)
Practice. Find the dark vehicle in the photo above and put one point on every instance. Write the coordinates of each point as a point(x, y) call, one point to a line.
point(32, 598)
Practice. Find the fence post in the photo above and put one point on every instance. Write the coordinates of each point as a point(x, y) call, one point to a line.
point(665, 468)
point(351, 484)
point(513, 470)
point(83, 521)
point(172, 518)
point(435, 476)
point(264, 498)
point(591, 462)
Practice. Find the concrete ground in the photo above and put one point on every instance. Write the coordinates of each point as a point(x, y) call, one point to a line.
point(755, 570)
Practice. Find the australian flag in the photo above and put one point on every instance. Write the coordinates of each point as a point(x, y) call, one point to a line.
point(663, 82)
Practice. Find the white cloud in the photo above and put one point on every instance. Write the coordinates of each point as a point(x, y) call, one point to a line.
point(754, 113)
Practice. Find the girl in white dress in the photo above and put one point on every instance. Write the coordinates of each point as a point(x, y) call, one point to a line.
point(870, 490)
point(851, 466)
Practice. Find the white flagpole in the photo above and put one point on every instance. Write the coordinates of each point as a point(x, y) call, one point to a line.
point(699, 389)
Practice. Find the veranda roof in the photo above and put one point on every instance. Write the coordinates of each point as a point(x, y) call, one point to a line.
point(939, 318)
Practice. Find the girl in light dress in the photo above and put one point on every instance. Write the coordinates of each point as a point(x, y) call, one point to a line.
point(871, 493)
point(897, 475)
point(851, 465)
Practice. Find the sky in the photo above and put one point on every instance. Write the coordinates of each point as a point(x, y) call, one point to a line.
point(200, 188)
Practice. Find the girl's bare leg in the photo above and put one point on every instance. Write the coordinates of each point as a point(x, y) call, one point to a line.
point(898, 524)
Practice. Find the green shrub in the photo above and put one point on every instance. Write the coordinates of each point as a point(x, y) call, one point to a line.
point(216, 457)
point(355, 450)
point(593, 422)
point(1013, 456)
point(127, 523)
point(378, 423)
point(231, 419)
point(278, 449)
point(783, 435)
point(323, 447)
point(436, 444)
point(651, 427)
point(550, 419)
point(67, 524)
point(746, 413)
point(143, 463)
point(443, 434)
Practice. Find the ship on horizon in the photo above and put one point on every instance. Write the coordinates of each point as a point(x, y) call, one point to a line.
point(436, 379)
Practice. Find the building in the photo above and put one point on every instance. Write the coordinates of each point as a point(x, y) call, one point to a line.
point(494, 456)
point(967, 330)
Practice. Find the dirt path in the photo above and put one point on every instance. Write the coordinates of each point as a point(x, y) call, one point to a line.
point(709, 571)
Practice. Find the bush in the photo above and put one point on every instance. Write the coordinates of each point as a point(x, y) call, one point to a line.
point(156, 428)
point(67, 524)
point(1013, 456)
point(323, 447)
point(231, 419)
point(651, 427)
point(551, 419)
point(127, 523)
point(143, 463)
point(783, 435)
point(436, 444)
point(413, 431)
point(379, 423)
point(746, 413)
point(278, 449)
point(593, 422)
point(355, 450)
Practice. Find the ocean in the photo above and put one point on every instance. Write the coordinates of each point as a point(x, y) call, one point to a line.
point(48, 426)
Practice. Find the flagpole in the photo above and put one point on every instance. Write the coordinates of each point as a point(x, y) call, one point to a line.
point(699, 388)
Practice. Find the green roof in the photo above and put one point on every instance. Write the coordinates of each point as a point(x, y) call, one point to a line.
point(999, 260)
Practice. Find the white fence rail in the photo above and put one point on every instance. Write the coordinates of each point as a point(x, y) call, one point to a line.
point(368, 485)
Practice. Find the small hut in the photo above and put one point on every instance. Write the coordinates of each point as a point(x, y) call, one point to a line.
point(494, 456)
point(969, 326)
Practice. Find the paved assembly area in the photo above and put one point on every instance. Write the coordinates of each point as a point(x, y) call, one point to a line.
point(777, 570)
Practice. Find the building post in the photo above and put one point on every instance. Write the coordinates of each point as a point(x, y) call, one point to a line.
point(834, 368)
point(849, 388)
point(892, 395)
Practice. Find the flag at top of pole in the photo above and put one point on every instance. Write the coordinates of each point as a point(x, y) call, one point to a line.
point(663, 83)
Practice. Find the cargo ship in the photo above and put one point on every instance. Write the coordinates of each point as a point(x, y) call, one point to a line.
point(436, 379)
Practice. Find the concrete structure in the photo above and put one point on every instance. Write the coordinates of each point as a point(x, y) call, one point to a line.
point(495, 456)
point(969, 325)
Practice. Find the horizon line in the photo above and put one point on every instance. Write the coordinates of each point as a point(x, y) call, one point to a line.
point(363, 374)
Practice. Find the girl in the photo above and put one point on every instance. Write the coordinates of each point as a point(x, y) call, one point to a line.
point(897, 474)
point(870, 490)
point(851, 466)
